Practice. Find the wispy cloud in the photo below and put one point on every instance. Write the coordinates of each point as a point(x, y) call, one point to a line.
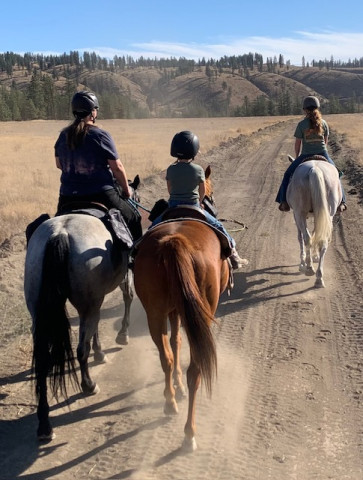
point(311, 46)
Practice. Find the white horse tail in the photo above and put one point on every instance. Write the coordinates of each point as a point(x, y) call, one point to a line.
point(323, 224)
point(53, 353)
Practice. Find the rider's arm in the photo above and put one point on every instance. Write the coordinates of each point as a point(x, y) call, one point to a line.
point(297, 147)
point(57, 162)
point(119, 173)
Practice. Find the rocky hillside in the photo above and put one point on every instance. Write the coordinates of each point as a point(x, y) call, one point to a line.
point(203, 91)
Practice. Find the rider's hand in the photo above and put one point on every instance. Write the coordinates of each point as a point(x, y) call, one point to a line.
point(126, 193)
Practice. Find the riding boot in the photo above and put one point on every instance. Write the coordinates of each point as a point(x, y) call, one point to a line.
point(342, 207)
point(284, 207)
point(236, 260)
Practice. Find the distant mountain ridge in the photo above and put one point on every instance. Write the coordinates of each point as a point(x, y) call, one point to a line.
point(170, 91)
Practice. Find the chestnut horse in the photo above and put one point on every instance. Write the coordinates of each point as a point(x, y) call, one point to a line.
point(179, 274)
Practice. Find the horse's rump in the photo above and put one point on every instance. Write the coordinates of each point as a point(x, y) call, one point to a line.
point(179, 267)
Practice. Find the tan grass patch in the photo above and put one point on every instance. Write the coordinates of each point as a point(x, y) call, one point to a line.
point(29, 180)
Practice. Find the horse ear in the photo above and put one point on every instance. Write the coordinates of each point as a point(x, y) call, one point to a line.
point(208, 172)
point(136, 182)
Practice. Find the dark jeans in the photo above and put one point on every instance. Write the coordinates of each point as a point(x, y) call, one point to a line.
point(110, 199)
point(281, 196)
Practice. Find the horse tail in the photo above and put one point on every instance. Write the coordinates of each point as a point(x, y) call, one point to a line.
point(195, 313)
point(53, 354)
point(323, 224)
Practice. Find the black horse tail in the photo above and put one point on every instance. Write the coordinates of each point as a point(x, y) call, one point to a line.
point(53, 354)
point(194, 311)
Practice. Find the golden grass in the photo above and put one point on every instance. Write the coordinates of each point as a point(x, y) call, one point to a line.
point(351, 125)
point(29, 181)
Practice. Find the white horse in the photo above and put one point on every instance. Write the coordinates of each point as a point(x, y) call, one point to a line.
point(71, 257)
point(314, 190)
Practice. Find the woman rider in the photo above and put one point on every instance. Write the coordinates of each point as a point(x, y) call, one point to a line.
point(311, 139)
point(88, 159)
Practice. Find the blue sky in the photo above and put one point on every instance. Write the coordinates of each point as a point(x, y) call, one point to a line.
point(184, 28)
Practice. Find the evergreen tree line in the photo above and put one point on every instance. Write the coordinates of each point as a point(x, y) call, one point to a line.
point(92, 61)
point(41, 100)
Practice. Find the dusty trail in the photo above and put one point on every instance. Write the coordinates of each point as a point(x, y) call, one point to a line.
point(286, 401)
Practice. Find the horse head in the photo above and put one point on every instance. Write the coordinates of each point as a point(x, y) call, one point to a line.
point(133, 186)
point(208, 200)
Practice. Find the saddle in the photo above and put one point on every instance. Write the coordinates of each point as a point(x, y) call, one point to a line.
point(183, 211)
point(315, 157)
point(161, 206)
point(111, 218)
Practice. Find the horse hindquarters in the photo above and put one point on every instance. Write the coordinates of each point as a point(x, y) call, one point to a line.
point(52, 352)
point(179, 274)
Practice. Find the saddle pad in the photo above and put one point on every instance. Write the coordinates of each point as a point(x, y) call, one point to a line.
point(226, 248)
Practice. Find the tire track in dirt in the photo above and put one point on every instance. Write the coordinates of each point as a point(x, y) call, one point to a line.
point(285, 404)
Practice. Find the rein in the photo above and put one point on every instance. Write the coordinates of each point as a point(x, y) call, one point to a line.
point(137, 204)
point(243, 226)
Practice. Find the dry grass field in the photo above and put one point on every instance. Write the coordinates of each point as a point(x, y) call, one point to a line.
point(29, 180)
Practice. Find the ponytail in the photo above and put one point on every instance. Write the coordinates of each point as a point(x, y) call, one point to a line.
point(316, 120)
point(76, 132)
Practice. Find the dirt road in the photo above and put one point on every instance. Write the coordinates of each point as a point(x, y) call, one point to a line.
point(287, 400)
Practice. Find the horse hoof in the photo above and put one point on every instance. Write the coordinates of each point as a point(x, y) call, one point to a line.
point(302, 268)
point(91, 391)
point(100, 357)
point(171, 408)
point(180, 393)
point(319, 283)
point(309, 272)
point(46, 437)
point(189, 445)
point(122, 339)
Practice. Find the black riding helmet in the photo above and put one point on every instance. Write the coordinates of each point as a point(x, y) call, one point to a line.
point(311, 102)
point(185, 145)
point(83, 103)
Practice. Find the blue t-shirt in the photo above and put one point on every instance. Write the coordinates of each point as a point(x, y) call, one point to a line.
point(85, 170)
point(184, 180)
point(312, 143)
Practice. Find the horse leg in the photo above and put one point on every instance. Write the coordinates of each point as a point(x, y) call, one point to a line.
point(87, 329)
point(319, 282)
point(159, 333)
point(45, 430)
point(99, 355)
point(193, 378)
point(175, 343)
point(300, 238)
point(309, 269)
point(128, 296)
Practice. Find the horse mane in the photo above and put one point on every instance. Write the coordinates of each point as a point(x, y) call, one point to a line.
point(208, 182)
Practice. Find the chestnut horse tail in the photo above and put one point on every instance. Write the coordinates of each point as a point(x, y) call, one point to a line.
point(194, 311)
point(53, 354)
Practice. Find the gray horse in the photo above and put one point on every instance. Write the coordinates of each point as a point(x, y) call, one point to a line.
point(71, 257)
point(314, 191)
